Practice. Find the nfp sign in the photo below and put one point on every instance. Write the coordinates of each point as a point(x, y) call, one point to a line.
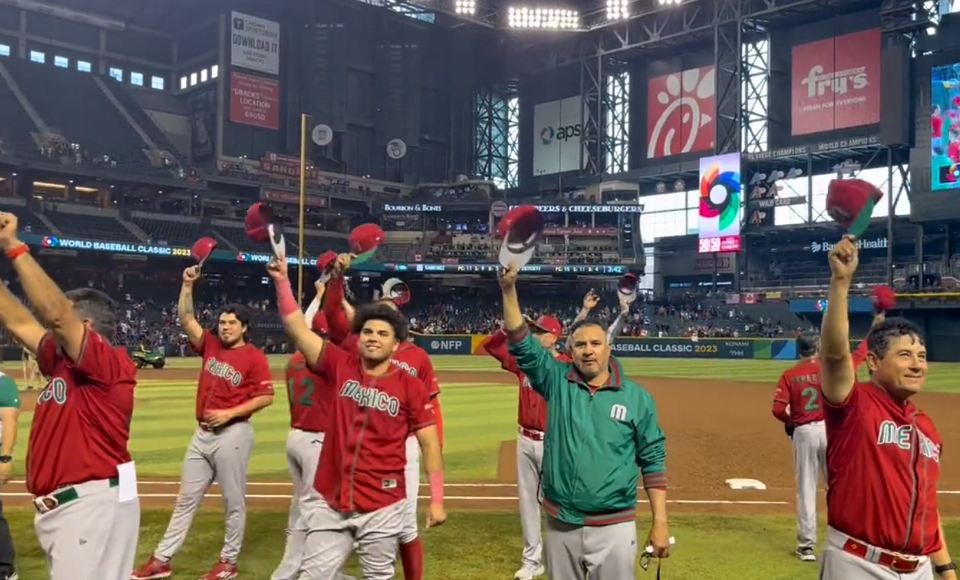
point(558, 136)
point(254, 43)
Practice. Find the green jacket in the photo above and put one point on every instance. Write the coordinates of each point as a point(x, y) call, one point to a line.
point(595, 440)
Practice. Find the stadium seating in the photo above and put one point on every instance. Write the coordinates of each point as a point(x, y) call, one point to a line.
point(17, 127)
point(98, 227)
point(167, 232)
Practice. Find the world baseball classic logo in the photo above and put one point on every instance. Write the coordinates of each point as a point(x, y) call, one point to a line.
point(681, 108)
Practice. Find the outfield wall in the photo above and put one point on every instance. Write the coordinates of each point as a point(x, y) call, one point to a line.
point(726, 348)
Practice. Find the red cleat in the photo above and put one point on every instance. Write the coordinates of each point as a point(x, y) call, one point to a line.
point(155, 568)
point(222, 571)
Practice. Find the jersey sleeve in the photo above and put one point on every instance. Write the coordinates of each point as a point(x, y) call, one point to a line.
point(98, 363)
point(259, 381)
point(496, 346)
point(421, 407)
point(651, 446)
point(781, 400)
point(337, 322)
point(9, 394)
point(860, 355)
point(331, 357)
point(543, 371)
point(47, 354)
point(208, 339)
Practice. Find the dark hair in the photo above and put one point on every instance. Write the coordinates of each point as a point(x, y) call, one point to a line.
point(98, 308)
point(807, 345)
point(242, 313)
point(878, 341)
point(379, 311)
point(586, 322)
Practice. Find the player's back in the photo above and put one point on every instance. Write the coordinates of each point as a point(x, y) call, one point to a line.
point(803, 382)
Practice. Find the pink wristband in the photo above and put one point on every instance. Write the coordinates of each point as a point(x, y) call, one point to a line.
point(285, 300)
point(436, 488)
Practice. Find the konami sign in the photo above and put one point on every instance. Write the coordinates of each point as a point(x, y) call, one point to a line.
point(836, 83)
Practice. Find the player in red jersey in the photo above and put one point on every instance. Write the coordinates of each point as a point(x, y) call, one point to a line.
point(798, 405)
point(532, 418)
point(415, 361)
point(78, 466)
point(361, 474)
point(883, 454)
point(234, 384)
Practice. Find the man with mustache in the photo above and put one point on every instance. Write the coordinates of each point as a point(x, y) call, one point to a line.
point(602, 433)
point(360, 479)
point(883, 454)
point(234, 384)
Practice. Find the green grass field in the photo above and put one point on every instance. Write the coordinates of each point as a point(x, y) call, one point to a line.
point(474, 545)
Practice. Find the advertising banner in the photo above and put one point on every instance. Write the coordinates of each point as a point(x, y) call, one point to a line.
point(558, 136)
point(945, 127)
point(681, 112)
point(293, 198)
point(721, 200)
point(255, 101)
point(835, 83)
point(255, 43)
point(445, 344)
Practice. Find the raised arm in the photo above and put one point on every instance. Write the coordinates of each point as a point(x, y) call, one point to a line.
point(590, 301)
point(837, 363)
point(53, 308)
point(295, 325)
point(188, 320)
point(19, 322)
point(513, 321)
point(314, 306)
point(614, 330)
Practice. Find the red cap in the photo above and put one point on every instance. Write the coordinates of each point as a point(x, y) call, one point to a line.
point(202, 249)
point(397, 291)
point(549, 324)
point(319, 323)
point(258, 218)
point(850, 203)
point(326, 260)
point(884, 299)
point(364, 241)
point(520, 229)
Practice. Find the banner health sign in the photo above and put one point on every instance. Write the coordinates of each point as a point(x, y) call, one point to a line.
point(558, 136)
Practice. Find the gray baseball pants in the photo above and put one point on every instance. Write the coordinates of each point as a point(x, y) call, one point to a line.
point(221, 456)
point(809, 463)
point(303, 456)
point(840, 565)
point(94, 537)
point(332, 534)
point(529, 468)
point(591, 552)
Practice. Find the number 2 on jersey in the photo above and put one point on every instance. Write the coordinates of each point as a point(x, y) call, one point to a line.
point(813, 399)
point(305, 390)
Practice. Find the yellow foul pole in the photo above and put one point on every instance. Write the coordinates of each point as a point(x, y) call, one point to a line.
point(303, 195)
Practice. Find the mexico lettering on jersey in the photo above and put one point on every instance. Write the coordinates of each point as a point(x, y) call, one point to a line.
point(230, 376)
point(799, 398)
point(531, 407)
point(309, 398)
point(883, 465)
point(81, 425)
point(364, 451)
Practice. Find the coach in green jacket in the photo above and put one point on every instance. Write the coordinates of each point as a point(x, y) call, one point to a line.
point(602, 433)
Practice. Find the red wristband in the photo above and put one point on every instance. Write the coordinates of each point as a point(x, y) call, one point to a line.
point(436, 488)
point(285, 300)
point(14, 253)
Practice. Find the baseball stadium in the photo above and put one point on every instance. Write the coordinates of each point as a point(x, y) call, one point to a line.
point(705, 181)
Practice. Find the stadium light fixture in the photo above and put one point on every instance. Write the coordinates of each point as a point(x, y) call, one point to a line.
point(669, 2)
point(543, 18)
point(468, 7)
point(618, 9)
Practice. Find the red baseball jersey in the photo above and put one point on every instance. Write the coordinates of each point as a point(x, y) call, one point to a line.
point(81, 424)
point(883, 463)
point(532, 408)
point(798, 399)
point(310, 399)
point(364, 450)
point(230, 376)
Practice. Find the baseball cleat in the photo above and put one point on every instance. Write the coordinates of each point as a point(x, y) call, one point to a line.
point(806, 555)
point(154, 569)
point(222, 571)
point(527, 573)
